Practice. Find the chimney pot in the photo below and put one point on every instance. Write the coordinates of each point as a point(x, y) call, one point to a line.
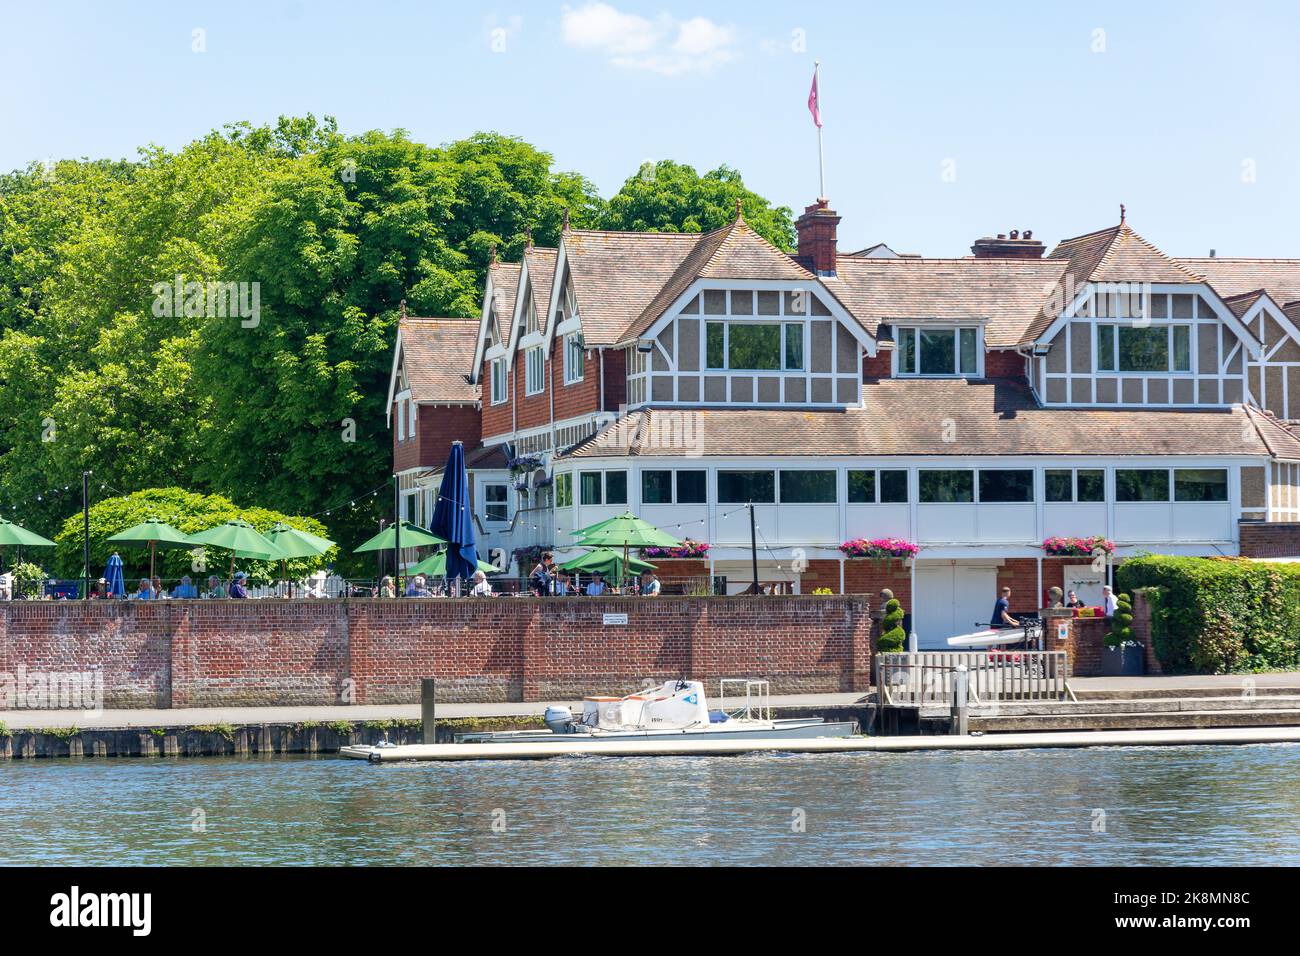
point(1029, 234)
point(1019, 246)
point(1015, 233)
point(817, 237)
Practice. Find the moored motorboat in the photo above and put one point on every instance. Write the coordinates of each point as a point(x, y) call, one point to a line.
point(674, 710)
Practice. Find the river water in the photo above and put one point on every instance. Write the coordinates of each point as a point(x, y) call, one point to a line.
point(1132, 806)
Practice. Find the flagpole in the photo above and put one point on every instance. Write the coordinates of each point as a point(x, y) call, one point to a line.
point(821, 155)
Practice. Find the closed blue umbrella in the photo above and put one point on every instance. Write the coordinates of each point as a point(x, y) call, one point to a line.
point(452, 519)
point(113, 576)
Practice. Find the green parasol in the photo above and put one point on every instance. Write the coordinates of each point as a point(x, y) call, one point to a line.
point(413, 536)
point(435, 565)
point(155, 533)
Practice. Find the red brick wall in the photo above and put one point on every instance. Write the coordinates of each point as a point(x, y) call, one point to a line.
point(495, 418)
point(879, 366)
point(1270, 539)
point(271, 652)
point(436, 427)
point(1000, 363)
point(132, 646)
point(615, 379)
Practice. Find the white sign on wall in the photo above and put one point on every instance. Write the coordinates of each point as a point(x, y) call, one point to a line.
point(615, 619)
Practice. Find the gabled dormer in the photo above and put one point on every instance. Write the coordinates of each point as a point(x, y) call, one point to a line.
point(741, 323)
point(1127, 326)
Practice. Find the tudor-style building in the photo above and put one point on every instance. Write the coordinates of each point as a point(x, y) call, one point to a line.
point(973, 406)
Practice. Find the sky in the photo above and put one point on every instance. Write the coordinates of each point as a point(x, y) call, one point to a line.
point(944, 121)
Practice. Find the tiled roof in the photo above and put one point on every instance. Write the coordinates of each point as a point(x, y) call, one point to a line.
point(733, 252)
point(492, 456)
point(617, 274)
point(1241, 304)
point(1117, 254)
point(505, 286)
point(1281, 440)
point(1007, 293)
point(996, 417)
point(437, 354)
point(541, 275)
point(1280, 278)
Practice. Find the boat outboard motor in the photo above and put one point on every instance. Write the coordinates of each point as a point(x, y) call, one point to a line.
point(559, 720)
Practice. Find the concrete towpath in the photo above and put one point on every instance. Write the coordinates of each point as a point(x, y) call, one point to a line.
point(1222, 685)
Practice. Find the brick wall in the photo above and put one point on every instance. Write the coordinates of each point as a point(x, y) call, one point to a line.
point(183, 653)
point(436, 427)
point(1000, 363)
point(1270, 539)
point(133, 646)
point(1086, 637)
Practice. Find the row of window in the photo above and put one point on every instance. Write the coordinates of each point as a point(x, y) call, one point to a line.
point(535, 369)
point(885, 486)
point(754, 347)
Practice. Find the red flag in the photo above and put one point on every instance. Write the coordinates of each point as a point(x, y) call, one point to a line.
point(812, 103)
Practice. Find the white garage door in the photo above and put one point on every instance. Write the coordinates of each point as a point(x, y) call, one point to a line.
point(950, 599)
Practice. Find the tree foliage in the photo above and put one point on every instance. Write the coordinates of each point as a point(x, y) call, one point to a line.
point(187, 511)
point(103, 368)
point(672, 197)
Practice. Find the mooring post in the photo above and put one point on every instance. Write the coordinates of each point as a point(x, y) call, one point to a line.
point(428, 696)
point(960, 688)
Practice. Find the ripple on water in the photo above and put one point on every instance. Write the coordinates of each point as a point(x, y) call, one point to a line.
point(1122, 806)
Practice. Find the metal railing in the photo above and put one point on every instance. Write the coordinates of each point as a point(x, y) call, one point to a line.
point(926, 677)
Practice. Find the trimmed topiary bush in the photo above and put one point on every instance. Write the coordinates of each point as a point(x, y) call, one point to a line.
point(1121, 625)
point(1219, 615)
point(892, 636)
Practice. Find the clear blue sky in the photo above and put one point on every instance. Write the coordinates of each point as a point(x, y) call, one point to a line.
point(1048, 123)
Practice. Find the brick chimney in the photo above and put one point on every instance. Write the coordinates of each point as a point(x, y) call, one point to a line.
point(1016, 246)
point(817, 241)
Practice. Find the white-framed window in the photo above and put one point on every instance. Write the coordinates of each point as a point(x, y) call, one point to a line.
point(754, 346)
point(410, 418)
point(496, 502)
point(534, 370)
point(603, 487)
point(574, 357)
point(564, 490)
point(530, 320)
point(1151, 348)
point(401, 420)
point(499, 379)
point(938, 352)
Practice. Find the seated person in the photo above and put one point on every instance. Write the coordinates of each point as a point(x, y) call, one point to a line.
point(185, 589)
point(650, 586)
point(417, 587)
point(596, 587)
point(481, 586)
point(1072, 600)
point(237, 588)
point(144, 592)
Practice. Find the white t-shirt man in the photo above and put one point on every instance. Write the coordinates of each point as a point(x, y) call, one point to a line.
point(1109, 601)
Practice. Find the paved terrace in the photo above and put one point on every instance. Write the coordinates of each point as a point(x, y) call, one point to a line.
point(1225, 685)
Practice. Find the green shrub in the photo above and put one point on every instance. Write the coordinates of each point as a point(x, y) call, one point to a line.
point(30, 580)
point(1121, 625)
point(892, 636)
point(1219, 615)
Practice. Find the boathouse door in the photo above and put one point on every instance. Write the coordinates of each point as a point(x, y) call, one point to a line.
point(950, 598)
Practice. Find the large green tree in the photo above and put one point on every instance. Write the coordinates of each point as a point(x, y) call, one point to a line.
point(672, 197)
point(104, 367)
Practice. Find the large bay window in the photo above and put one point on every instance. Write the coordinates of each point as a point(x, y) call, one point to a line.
point(883, 486)
point(603, 487)
point(657, 487)
point(1075, 485)
point(924, 351)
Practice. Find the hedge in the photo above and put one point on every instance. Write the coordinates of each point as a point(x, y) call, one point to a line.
point(1219, 615)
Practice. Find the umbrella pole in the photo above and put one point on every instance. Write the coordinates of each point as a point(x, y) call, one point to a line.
point(153, 545)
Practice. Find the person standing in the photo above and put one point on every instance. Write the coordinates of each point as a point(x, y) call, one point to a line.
point(1072, 600)
point(1002, 611)
point(1109, 601)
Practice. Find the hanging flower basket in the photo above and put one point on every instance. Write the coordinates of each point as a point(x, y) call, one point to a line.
point(1067, 547)
point(689, 549)
point(879, 548)
point(524, 463)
